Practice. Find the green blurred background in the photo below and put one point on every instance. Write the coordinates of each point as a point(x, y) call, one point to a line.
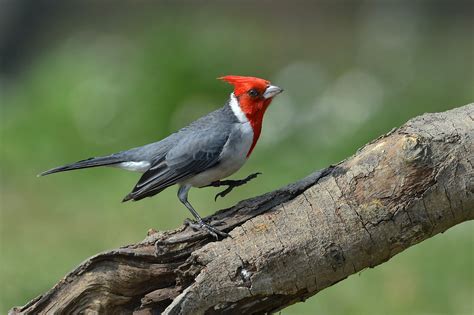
point(80, 79)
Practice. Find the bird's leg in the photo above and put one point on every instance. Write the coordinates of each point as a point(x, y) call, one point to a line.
point(199, 224)
point(231, 184)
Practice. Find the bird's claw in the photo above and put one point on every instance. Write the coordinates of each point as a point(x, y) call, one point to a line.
point(232, 184)
point(201, 225)
point(223, 193)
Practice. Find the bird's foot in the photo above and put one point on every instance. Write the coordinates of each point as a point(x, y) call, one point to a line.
point(201, 225)
point(231, 184)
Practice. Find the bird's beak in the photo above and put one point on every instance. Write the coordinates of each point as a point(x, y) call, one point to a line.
point(271, 91)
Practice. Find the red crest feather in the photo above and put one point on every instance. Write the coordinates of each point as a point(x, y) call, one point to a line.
point(242, 84)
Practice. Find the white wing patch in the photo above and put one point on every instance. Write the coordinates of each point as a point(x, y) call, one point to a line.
point(140, 167)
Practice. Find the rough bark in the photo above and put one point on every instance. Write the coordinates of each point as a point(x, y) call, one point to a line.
point(286, 245)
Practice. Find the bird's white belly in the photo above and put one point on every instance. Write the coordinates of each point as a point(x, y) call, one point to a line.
point(233, 157)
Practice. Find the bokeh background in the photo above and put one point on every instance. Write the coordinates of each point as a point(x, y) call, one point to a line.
point(85, 78)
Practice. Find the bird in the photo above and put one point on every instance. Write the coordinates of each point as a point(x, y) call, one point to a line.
point(199, 155)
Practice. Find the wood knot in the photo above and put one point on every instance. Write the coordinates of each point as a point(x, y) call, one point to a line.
point(335, 255)
point(243, 274)
point(413, 149)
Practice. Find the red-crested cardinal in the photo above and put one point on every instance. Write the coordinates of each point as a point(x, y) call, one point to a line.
point(209, 149)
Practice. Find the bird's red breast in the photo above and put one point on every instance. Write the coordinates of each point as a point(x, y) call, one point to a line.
point(253, 106)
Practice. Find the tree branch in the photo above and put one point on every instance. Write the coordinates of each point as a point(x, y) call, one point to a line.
point(289, 244)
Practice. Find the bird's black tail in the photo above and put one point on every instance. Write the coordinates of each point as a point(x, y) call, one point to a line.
point(91, 162)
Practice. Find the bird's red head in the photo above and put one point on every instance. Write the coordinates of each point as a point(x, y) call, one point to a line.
point(254, 95)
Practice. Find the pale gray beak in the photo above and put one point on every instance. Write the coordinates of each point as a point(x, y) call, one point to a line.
point(271, 91)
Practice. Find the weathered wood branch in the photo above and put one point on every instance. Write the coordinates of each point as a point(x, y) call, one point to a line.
point(289, 244)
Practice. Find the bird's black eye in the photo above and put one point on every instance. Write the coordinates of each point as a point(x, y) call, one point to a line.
point(253, 92)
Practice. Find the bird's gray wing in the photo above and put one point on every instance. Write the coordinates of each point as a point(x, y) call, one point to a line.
point(193, 153)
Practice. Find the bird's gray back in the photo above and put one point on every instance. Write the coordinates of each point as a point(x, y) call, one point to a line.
point(218, 122)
